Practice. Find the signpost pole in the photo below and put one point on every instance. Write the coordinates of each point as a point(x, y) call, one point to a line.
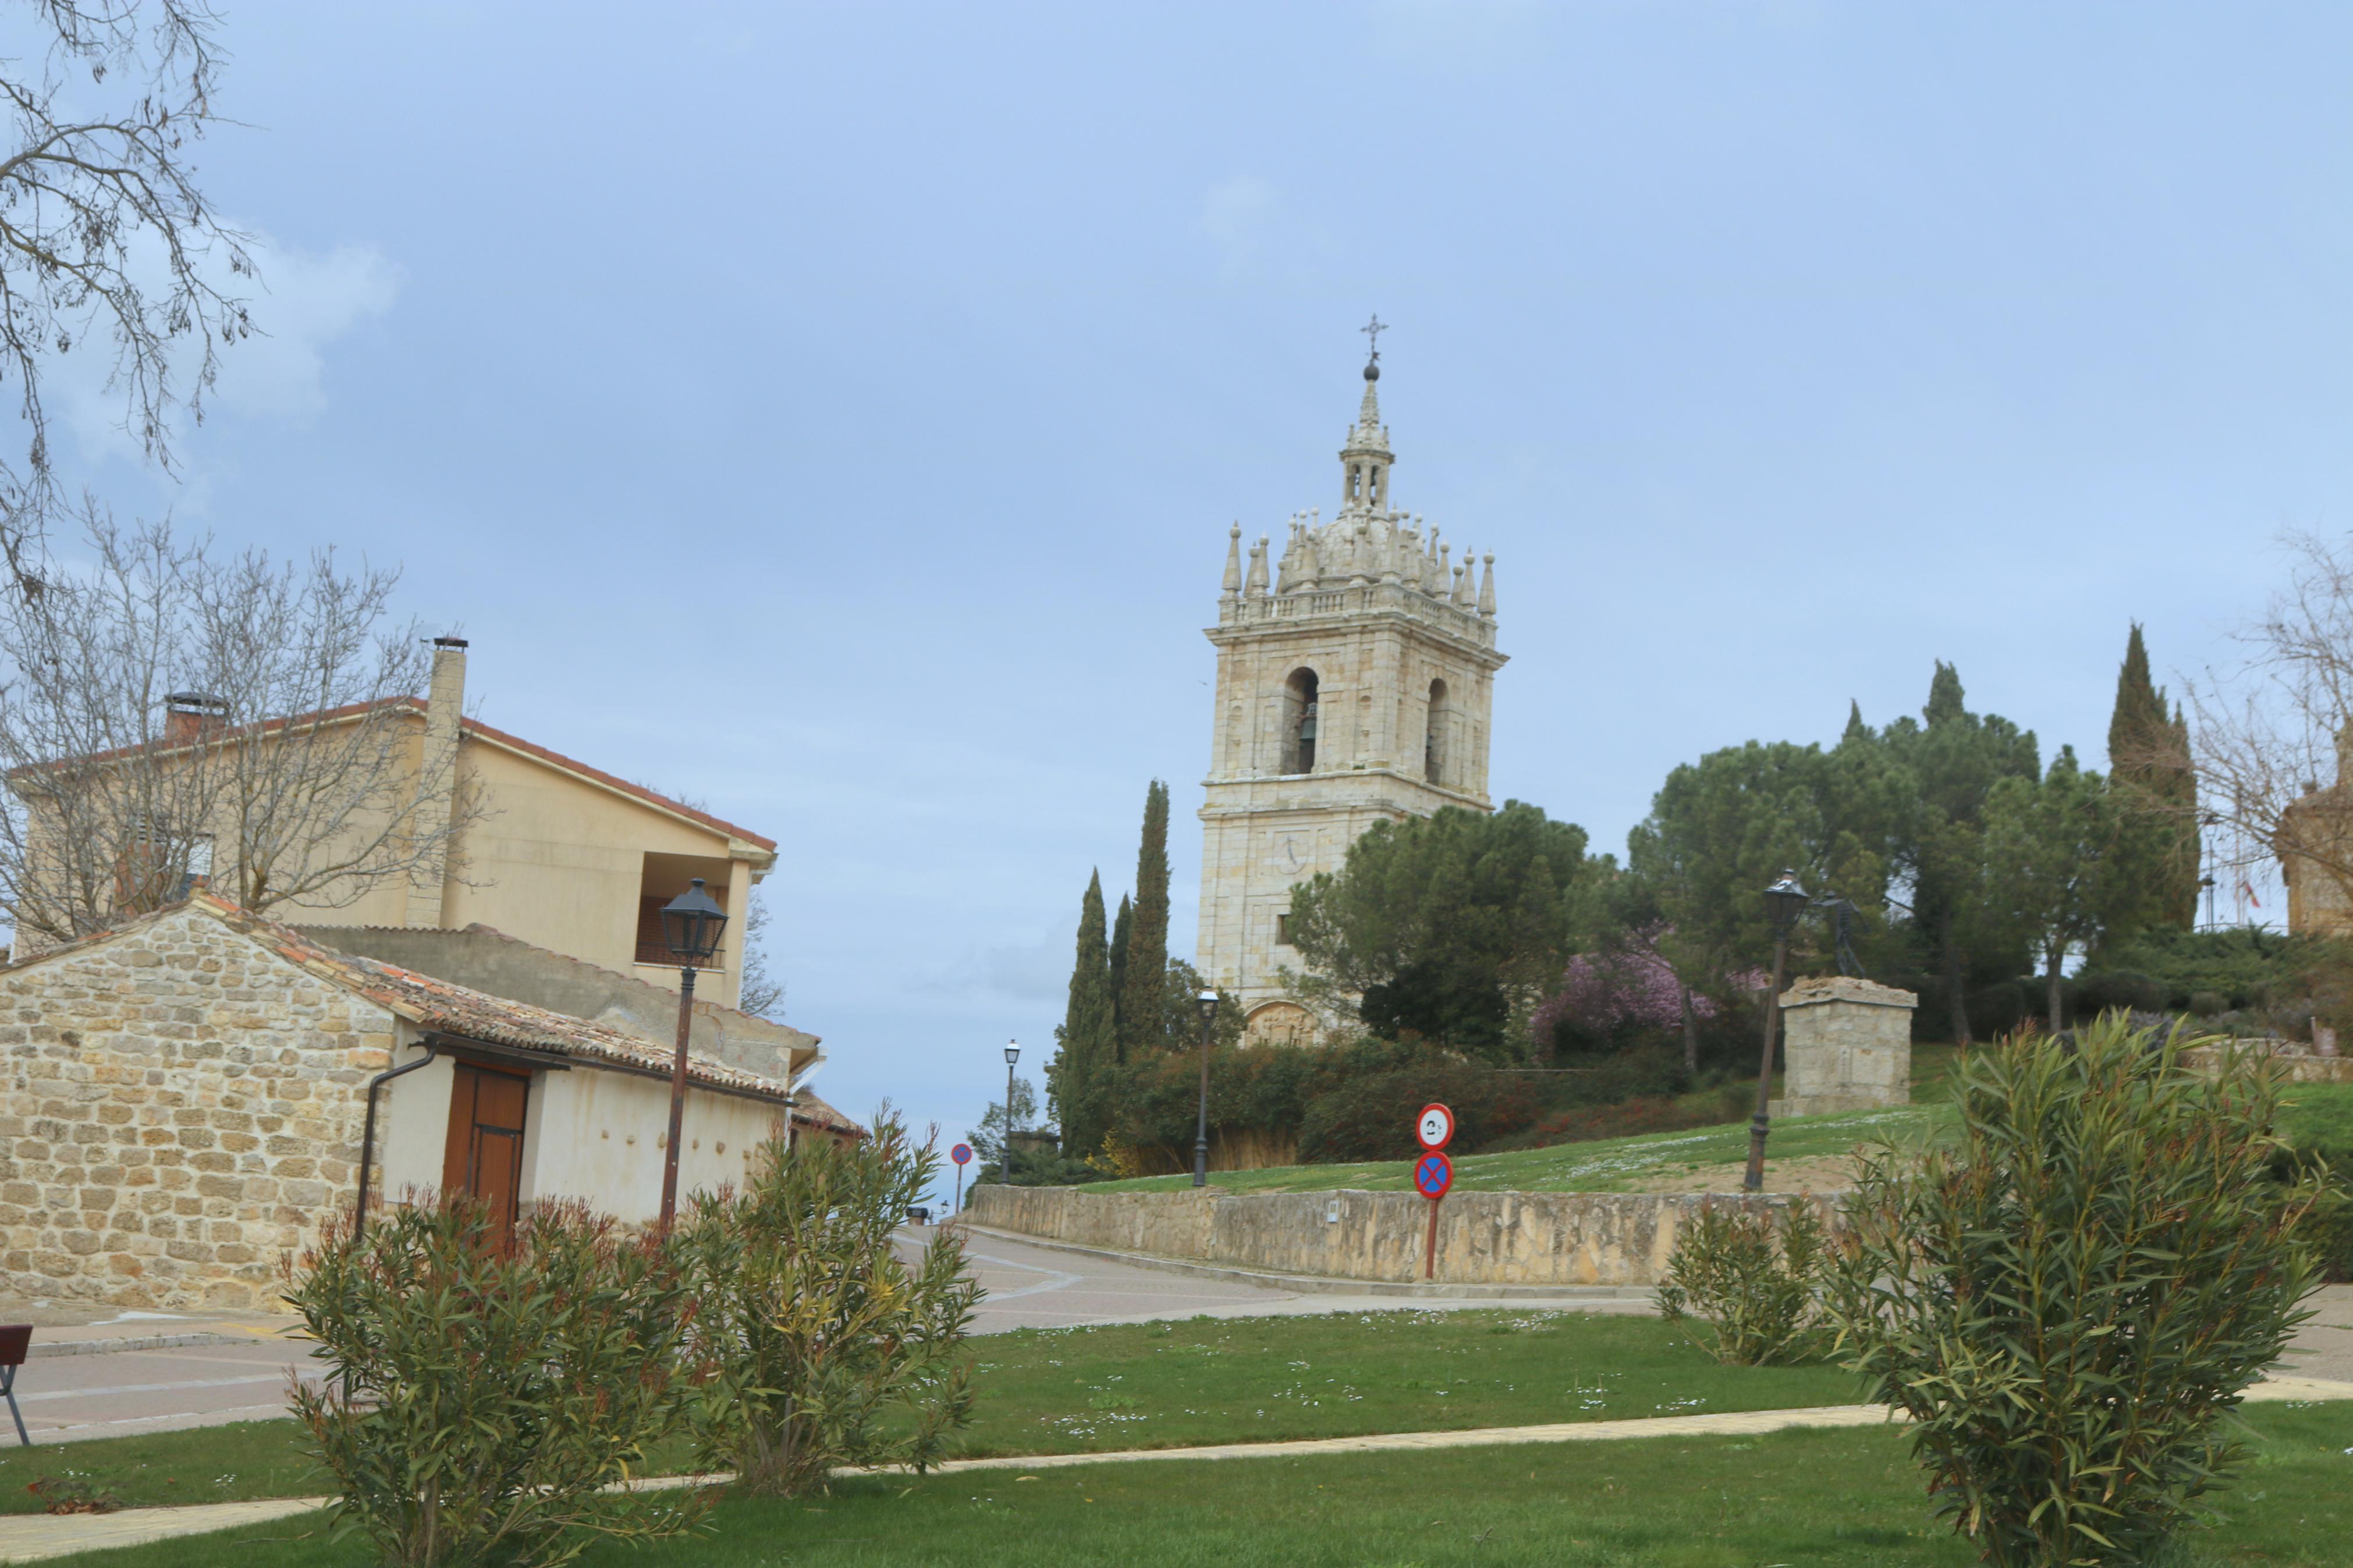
point(962, 1155)
point(1430, 1248)
point(1433, 1173)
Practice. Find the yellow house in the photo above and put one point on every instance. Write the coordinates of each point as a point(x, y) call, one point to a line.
point(523, 840)
point(563, 855)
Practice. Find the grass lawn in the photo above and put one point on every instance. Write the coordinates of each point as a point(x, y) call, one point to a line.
point(2313, 1113)
point(1824, 1500)
point(1143, 1385)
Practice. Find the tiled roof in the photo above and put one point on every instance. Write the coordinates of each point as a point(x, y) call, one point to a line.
point(445, 1009)
point(809, 1108)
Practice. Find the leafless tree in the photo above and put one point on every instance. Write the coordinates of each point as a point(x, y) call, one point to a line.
point(762, 990)
point(107, 246)
point(166, 716)
point(2273, 734)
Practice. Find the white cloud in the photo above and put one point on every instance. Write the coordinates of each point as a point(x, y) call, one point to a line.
point(303, 301)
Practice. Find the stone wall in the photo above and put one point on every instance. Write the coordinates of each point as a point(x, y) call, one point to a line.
point(1485, 1238)
point(1848, 1046)
point(2296, 1062)
point(181, 1106)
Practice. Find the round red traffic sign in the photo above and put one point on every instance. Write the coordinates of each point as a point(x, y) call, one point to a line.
point(1434, 1126)
point(961, 1153)
point(1432, 1174)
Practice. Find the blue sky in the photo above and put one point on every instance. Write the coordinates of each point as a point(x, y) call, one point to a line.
point(913, 359)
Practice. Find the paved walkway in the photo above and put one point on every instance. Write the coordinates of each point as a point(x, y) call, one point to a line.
point(33, 1538)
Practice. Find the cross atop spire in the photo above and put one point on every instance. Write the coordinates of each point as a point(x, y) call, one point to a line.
point(1373, 330)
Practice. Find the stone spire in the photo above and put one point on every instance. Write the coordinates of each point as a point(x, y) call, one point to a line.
point(1254, 586)
point(1487, 586)
point(1365, 461)
point(1233, 584)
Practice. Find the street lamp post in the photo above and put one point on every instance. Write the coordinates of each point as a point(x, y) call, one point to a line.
point(692, 925)
point(1785, 900)
point(1012, 1054)
point(1207, 1002)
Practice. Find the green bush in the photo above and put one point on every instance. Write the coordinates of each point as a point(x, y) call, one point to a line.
point(2069, 1301)
point(830, 1349)
point(1372, 1118)
point(481, 1393)
point(2121, 988)
point(1756, 1285)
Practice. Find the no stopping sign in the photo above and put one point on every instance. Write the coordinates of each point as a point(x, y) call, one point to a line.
point(1432, 1174)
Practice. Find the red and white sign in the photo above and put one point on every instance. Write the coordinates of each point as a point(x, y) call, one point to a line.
point(1435, 1127)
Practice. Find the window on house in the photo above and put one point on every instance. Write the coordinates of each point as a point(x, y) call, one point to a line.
point(665, 878)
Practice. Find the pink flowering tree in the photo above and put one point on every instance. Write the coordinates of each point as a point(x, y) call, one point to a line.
point(1607, 998)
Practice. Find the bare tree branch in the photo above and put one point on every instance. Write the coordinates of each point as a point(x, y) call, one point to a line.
point(168, 717)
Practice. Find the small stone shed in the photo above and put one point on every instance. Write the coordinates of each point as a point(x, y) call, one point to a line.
point(181, 1102)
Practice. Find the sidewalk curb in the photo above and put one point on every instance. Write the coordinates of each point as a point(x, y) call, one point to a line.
point(1325, 1284)
point(42, 1348)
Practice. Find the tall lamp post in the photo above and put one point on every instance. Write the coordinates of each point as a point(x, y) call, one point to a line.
point(692, 925)
point(1785, 900)
point(1012, 1054)
point(1207, 1002)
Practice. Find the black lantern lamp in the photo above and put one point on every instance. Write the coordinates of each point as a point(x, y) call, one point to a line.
point(1785, 900)
point(692, 925)
point(1207, 1002)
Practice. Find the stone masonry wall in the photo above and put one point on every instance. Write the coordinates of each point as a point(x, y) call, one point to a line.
point(181, 1109)
point(1485, 1238)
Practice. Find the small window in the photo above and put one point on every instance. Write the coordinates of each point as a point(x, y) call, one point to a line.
point(1298, 706)
point(1283, 929)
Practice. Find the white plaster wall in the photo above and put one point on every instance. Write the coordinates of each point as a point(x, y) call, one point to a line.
point(589, 1133)
point(597, 1136)
point(412, 1126)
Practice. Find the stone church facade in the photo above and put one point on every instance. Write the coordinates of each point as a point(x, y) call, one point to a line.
point(1354, 683)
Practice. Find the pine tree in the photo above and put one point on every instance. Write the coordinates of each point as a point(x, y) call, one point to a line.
point(1120, 930)
point(1143, 986)
point(2148, 765)
point(1077, 1078)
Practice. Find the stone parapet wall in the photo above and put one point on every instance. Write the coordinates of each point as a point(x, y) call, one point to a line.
point(2297, 1063)
point(180, 1110)
point(1484, 1238)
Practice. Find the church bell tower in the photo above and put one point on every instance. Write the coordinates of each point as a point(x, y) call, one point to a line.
point(1354, 687)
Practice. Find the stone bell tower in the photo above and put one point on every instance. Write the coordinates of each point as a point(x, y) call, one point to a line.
point(1354, 688)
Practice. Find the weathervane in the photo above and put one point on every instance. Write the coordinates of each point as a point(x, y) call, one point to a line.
point(1373, 330)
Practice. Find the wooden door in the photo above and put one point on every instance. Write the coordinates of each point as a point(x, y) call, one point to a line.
point(484, 1156)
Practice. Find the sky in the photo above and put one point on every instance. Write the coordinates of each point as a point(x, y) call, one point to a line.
point(835, 413)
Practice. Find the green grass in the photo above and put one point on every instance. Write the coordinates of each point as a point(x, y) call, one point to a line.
point(2312, 1114)
point(1156, 1386)
point(1825, 1500)
point(1601, 1165)
point(1141, 1385)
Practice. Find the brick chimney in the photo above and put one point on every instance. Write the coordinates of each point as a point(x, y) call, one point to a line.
point(444, 706)
point(189, 716)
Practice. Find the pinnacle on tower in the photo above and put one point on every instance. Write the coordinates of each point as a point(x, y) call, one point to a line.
point(1255, 585)
point(1487, 586)
point(1233, 583)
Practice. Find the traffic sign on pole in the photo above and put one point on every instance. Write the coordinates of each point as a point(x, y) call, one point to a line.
point(962, 1155)
point(1435, 1126)
point(1432, 1174)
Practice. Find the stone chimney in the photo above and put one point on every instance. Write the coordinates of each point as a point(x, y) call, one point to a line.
point(436, 780)
point(189, 716)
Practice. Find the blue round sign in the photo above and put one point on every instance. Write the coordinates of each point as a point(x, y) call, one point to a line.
point(1433, 1175)
point(961, 1153)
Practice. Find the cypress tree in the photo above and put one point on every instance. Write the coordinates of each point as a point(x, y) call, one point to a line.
point(2149, 764)
point(1144, 987)
point(1076, 1080)
point(1120, 932)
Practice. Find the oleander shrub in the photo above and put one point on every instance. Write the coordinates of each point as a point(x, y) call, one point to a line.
point(828, 1348)
point(482, 1391)
point(1752, 1286)
point(2069, 1300)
